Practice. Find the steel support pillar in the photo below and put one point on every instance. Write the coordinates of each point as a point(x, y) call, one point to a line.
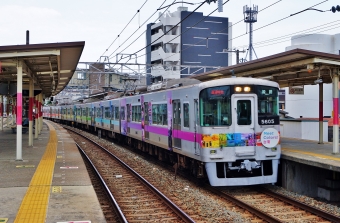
point(19, 111)
point(30, 113)
point(321, 113)
point(36, 117)
point(335, 111)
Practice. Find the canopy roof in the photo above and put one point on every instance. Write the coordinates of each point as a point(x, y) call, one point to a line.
point(291, 68)
point(51, 65)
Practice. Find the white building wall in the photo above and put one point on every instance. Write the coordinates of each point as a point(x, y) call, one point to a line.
point(307, 105)
point(303, 129)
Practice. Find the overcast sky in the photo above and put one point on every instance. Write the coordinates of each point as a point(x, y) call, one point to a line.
point(98, 23)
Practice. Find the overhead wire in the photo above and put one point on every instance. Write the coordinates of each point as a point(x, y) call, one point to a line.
point(323, 26)
point(125, 27)
point(298, 37)
point(171, 28)
point(276, 21)
point(138, 29)
point(210, 35)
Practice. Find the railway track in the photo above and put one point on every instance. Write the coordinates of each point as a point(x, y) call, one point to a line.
point(274, 207)
point(253, 204)
point(109, 206)
point(138, 200)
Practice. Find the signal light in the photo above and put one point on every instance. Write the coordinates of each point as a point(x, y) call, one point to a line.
point(335, 8)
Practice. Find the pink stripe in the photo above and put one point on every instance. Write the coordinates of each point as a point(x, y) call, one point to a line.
point(189, 136)
point(335, 111)
point(19, 108)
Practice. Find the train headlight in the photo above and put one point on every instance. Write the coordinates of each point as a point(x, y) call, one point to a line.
point(238, 89)
point(246, 89)
point(212, 152)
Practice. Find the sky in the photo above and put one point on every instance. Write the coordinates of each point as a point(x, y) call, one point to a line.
point(99, 22)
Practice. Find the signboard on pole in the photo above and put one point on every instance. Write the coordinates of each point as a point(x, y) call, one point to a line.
point(296, 90)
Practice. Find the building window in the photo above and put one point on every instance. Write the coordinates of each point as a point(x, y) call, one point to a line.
point(81, 76)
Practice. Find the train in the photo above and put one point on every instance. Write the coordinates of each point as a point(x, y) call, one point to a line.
point(225, 130)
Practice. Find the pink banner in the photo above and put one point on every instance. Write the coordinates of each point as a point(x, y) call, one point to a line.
point(19, 108)
point(335, 111)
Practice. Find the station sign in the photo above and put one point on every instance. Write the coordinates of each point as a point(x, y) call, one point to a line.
point(296, 90)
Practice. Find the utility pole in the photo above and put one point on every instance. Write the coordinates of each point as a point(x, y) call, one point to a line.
point(237, 54)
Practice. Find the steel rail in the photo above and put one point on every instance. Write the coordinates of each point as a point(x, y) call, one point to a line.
point(170, 204)
point(306, 207)
point(107, 190)
point(244, 205)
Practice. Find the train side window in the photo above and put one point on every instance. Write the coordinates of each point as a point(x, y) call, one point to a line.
point(107, 113)
point(116, 116)
point(160, 114)
point(122, 113)
point(186, 115)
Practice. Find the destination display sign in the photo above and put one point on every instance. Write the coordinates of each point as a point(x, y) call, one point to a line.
point(272, 120)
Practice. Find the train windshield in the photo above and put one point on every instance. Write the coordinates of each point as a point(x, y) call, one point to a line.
point(268, 101)
point(215, 106)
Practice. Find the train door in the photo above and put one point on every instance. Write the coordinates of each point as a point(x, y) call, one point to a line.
point(128, 116)
point(111, 116)
point(146, 120)
point(176, 123)
point(244, 116)
point(93, 111)
point(196, 123)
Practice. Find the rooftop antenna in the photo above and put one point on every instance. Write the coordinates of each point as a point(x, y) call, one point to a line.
point(250, 16)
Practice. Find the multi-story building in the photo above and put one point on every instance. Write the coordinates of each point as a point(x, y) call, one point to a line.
point(180, 45)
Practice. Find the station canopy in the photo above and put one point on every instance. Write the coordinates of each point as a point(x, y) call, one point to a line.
point(50, 65)
point(291, 68)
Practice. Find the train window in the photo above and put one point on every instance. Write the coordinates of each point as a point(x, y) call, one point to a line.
point(79, 111)
point(116, 113)
point(268, 101)
point(146, 112)
point(84, 112)
point(186, 114)
point(215, 106)
point(160, 114)
point(99, 112)
point(107, 113)
point(244, 112)
point(136, 113)
point(122, 113)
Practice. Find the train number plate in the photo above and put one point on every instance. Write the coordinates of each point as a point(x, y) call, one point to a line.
point(269, 120)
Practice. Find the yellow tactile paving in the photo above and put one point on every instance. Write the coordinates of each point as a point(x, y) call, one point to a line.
point(311, 154)
point(33, 207)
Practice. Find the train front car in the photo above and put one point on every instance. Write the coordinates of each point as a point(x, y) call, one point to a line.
point(239, 126)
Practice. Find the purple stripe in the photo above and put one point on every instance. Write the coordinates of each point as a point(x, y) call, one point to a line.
point(158, 130)
point(137, 126)
point(188, 136)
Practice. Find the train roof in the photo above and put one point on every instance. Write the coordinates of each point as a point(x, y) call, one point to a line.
point(239, 80)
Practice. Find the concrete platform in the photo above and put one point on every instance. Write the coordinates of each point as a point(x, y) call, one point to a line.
point(310, 153)
point(71, 196)
point(310, 169)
